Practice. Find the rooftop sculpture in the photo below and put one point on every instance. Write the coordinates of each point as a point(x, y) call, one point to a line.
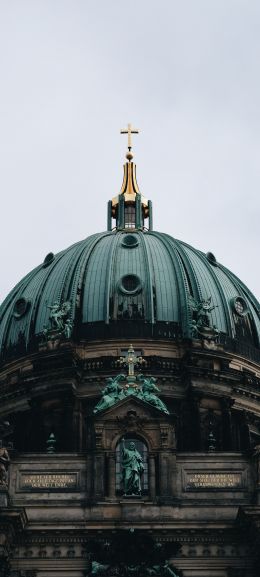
point(143, 388)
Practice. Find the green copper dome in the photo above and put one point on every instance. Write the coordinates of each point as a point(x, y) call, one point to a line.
point(129, 283)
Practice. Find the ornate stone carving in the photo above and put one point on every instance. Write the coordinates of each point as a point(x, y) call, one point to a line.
point(131, 422)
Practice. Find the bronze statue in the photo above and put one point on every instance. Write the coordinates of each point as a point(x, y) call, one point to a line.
point(162, 570)
point(112, 393)
point(60, 323)
point(4, 462)
point(58, 314)
point(202, 325)
point(133, 468)
point(98, 569)
point(148, 393)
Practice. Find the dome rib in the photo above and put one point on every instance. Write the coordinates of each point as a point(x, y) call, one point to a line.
point(109, 275)
point(149, 282)
point(182, 283)
point(254, 306)
point(213, 289)
point(48, 275)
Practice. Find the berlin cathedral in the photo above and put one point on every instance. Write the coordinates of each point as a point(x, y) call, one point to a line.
point(130, 413)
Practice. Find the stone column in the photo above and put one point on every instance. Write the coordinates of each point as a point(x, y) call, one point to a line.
point(89, 475)
point(226, 405)
point(167, 474)
point(99, 475)
point(194, 428)
point(77, 426)
point(163, 474)
point(151, 476)
point(111, 475)
point(256, 464)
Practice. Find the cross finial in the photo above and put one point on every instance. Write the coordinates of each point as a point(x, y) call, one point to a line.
point(129, 131)
point(130, 361)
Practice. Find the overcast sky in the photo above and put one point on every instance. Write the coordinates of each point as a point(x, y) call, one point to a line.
point(74, 72)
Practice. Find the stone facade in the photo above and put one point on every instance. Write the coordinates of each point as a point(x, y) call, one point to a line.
point(201, 488)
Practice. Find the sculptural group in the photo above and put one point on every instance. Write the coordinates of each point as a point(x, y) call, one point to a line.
point(143, 388)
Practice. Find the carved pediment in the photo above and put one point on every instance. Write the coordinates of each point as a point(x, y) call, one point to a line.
point(121, 387)
point(132, 403)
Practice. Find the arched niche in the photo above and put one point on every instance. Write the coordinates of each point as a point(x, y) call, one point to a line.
point(132, 418)
point(142, 448)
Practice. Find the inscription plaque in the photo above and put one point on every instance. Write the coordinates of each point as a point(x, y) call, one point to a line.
point(49, 481)
point(214, 480)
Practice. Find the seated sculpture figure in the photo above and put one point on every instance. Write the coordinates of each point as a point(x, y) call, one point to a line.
point(148, 393)
point(112, 393)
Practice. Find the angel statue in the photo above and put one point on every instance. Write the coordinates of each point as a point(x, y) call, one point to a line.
point(201, 325)
point(59, 319)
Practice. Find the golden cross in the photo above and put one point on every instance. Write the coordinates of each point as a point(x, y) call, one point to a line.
point(130, 361)
point(129, 131)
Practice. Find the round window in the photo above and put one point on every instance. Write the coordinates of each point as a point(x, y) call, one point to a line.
point(48, 259)
point(21, 307)
point(240, 306)
point(130, 284)
point(130, 241)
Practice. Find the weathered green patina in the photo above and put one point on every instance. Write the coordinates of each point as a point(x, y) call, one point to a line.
point(140, 387)
point(132, 469)
point(95, 277)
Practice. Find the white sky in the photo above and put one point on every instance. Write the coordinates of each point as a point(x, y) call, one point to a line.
point(185, 72)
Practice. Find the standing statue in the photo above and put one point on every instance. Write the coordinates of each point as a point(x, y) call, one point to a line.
point(112, 393)
point(148, 393)
point(133, 468)
point(4, 462)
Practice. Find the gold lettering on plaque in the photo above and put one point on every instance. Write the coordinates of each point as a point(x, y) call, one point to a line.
point(49, 481)
point(214, 480)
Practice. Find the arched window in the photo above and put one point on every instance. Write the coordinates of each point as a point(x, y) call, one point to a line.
point(130, 216)
point(141, 447)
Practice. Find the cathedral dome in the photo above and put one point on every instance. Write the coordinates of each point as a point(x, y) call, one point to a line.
point(130, 283)
point(130, 395)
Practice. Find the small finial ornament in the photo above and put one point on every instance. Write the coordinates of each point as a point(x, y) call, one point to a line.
point(129, 131)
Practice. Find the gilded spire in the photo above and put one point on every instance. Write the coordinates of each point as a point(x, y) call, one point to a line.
point(129, 187)
point(129, 131)
point(129, 208)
